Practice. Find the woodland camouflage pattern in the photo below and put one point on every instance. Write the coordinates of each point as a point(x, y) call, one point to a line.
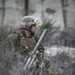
point(17, 42)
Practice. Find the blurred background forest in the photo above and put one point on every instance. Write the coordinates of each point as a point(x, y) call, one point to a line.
point(62, 11)
point(60, 40)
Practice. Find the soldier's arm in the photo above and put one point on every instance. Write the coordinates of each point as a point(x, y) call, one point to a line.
point(10, 42)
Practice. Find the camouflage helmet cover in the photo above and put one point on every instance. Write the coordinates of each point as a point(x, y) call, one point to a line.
point(28, 21)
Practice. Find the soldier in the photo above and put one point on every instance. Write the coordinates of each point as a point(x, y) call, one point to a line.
point(24, 39)
point(20, 43)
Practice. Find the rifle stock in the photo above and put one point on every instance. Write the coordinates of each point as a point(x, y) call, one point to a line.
point(30, 59)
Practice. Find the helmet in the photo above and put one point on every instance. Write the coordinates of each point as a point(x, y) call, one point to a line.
point(28, 21)
point(38, 21)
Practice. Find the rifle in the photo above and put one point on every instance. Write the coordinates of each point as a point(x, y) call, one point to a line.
point(33, 54)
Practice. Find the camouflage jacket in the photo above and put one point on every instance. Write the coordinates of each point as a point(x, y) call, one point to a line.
point(17, 42)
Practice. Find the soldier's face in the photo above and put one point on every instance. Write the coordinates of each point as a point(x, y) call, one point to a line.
point(33, 29)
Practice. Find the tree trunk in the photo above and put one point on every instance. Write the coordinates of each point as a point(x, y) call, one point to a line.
point(3, 12)
point(64, 11)
point(26, 3)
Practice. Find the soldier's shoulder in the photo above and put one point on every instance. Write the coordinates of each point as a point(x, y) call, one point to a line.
point(12, 36)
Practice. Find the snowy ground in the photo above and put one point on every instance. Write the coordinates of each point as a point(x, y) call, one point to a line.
point(54, 50)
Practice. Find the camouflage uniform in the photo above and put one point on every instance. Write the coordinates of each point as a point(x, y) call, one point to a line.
point(19, 43)
point(20, 46)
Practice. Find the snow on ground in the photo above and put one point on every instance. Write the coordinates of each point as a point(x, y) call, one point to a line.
point(54, 50)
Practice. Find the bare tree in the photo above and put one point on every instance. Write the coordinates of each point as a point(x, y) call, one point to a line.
point(42, 11)
point(64, 3)
point(3, 12)
point(26, 3)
